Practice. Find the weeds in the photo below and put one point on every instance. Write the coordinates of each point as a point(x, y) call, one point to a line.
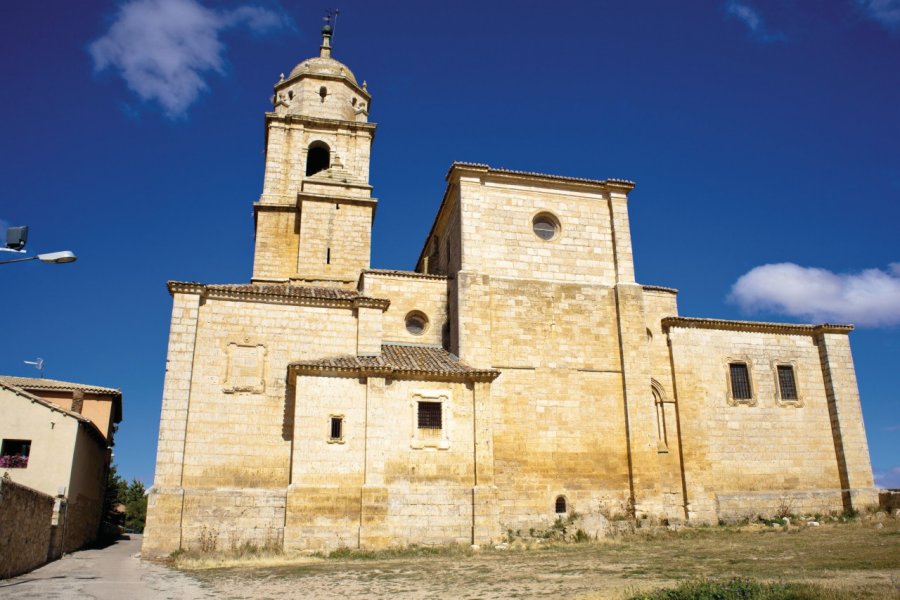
point(744, 589)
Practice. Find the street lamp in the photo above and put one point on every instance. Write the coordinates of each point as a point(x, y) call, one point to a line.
point(15, 242)
point(61, 257)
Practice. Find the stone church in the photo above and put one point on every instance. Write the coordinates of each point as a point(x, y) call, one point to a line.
point(518, 374)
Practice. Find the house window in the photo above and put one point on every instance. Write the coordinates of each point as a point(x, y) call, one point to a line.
point(787, 386)
point(545, 226)
point(740, 381)
point(429, 416)
point(336, 433)
point(560, 505)
point(14, 454)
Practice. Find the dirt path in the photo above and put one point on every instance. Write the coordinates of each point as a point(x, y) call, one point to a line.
point(111, 573)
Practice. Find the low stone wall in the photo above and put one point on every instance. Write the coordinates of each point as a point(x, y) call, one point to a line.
point(82, 522)
point(25, 518)
point(889, 500)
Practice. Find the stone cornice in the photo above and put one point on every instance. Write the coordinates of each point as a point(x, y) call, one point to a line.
point(659, 288)
point(321, 122)
point(337, 199)
point(403, 274)
point(280, 294)
point(754, 326)
point(606, 184)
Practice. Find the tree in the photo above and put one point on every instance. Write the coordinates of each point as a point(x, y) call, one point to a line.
point(135, 502)
point(131, 496)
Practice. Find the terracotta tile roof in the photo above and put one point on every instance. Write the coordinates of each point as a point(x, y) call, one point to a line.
point(280, 292)
point(758, 326)
point(36, 383)
point(286, 290)
point(400, 360)
point(482, 166)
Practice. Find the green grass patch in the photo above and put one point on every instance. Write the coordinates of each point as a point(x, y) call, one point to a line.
point(749, 589)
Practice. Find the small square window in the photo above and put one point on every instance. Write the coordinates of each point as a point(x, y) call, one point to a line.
point(786, 382)
point(740, 381)
point(14, 454)
point(429, 416)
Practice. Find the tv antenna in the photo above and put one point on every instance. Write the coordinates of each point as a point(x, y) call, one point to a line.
point(37, 364)
point(330, 18)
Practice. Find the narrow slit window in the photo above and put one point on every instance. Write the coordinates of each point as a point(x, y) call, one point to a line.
point(337, 428)
point(740, 381)
point(429, 416)
point(328, 256)
point(786, 383)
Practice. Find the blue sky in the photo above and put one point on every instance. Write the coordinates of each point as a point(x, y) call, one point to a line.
point(764, 138)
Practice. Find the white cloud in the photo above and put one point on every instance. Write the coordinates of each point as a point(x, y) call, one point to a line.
point(886, 12)
point(752, 20)
point(891, 479)
point(868, 298)
point(164, 49)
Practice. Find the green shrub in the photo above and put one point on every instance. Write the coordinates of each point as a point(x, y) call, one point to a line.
point(740, 589)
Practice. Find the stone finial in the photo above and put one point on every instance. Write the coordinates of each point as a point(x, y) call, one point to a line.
point(365, 86)
point(325, 48)
point(281, 78)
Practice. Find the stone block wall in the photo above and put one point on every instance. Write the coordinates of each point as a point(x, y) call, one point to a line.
point(239, 431)
point(277, 243)
point(407, 294)
point(25, 521)
point(498, 237)
point(742, 456)
point(335, 239)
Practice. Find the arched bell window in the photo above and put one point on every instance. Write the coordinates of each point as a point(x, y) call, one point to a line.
point(318, 158)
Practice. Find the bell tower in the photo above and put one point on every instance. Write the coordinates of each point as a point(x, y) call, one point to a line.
point(314, 218)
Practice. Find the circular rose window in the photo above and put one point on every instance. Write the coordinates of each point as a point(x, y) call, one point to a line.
point(416, 323)
point(545, 226)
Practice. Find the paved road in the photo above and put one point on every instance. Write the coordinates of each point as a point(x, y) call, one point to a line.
point(111, 573)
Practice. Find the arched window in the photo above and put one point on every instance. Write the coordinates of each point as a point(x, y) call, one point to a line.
point(560, 505)
point(318, 158)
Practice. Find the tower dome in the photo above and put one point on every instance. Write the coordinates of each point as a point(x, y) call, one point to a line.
point(323, 65)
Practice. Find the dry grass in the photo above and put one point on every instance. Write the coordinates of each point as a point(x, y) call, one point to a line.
point(844, 560)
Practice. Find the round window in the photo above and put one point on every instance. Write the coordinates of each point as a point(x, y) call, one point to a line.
point(416, 323)
point(545, 226)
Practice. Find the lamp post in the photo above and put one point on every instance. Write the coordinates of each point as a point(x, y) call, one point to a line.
point(15, 242)
point(64, 256)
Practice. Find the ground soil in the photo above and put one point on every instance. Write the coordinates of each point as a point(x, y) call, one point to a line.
point(859, 558)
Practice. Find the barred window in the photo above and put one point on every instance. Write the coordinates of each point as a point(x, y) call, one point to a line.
point(429, 415)
point(740, 381)
point(786, 383)
point(337, 428)
point(561, 505)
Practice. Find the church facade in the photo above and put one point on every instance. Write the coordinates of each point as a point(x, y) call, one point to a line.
point(518, 374)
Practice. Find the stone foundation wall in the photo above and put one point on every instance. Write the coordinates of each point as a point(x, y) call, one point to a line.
point(226, 519)
point(25, 516)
